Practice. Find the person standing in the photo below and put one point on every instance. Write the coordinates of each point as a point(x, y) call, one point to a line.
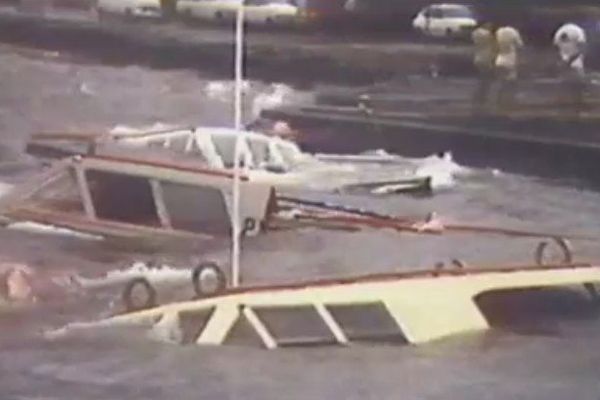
point(571, 41)
point(509, 42)
point(485, 49)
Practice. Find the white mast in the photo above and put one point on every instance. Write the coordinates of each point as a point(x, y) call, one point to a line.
point(239, 41)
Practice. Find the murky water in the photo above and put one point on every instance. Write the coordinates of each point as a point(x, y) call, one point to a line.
point(44, 92)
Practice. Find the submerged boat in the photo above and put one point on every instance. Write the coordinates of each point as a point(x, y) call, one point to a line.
point(147, 194)
point(267, 158)
point(413, 307)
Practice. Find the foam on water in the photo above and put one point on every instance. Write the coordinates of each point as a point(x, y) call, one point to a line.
point(163, 274)
point(5, 188)
point(277, 95)
point(51, 230)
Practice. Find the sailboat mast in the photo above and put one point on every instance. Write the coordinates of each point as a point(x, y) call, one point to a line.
point(238, 65)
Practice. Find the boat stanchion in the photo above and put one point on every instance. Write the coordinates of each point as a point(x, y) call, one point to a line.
point(592, 291)
point(208, 280)
point(459, 264)
point(438, 268)
point(563, 244)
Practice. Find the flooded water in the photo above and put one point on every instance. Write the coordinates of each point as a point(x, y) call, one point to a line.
point(46, 92)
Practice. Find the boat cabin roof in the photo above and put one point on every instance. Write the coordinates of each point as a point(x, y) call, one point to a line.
point(216, 146)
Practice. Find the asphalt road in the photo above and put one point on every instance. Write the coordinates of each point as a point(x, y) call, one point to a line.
point(273, 55)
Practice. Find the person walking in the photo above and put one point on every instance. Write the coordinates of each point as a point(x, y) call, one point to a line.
point(571, 41)
point(509, 42)
point(485, 50)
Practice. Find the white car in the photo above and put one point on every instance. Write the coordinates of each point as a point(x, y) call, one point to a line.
point(216, 10)
point(445, 20)
point(262, 12)
point(130, 8)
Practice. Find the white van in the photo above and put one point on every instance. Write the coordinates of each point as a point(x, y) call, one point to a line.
point(445, 20)
point(130, 8)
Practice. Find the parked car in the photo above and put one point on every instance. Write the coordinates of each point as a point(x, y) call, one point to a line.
point(445, 20)
point(264, 12)
point(216, 10)
point(130, 8)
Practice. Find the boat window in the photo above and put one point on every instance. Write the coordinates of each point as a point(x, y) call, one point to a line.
point(122, 198)
point(260, 151)
point(178, 143)
point(156, 143)
point(243, 334)
point(192, 323)
point(225, 146)
point(535, 310)
point(199, 209)
point(368, 321)
point(297, 325)
point(62, 194)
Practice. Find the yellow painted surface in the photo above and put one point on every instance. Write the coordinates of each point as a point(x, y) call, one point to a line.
point(425, 308)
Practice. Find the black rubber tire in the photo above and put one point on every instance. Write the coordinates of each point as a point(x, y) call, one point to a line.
point(129, 301)
point(197, 284)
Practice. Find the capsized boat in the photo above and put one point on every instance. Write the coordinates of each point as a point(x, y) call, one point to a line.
point(413, 307)
point(268, 158)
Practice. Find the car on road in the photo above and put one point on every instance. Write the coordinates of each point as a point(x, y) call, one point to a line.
point(445, 20)
point(260, 12)
point(215, 10)
point(130, 8)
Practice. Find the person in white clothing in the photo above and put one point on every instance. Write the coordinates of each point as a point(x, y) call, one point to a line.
point(571, 41)
point(484, 57)
point(509, 42)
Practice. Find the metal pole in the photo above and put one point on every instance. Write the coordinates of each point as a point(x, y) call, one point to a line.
point(236, 228)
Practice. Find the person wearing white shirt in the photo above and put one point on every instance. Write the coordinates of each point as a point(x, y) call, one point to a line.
point(509, 42)
point(484, 56)
point(571, 40)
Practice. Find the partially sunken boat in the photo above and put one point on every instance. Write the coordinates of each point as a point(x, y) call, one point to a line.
point(266, 158)
point(129, 196)
point(409, 308)
point(152, 194)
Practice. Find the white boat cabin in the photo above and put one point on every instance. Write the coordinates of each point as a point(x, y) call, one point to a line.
point(128, 196)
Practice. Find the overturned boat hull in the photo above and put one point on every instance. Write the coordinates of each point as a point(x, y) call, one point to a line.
point(412, 307)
